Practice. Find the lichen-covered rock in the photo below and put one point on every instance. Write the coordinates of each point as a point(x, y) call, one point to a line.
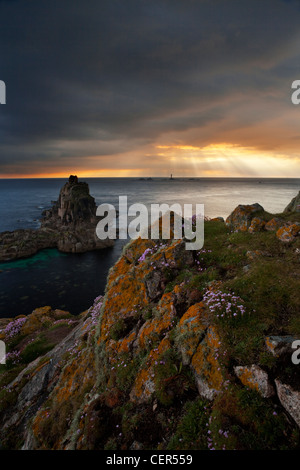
point(290, 399)
point(31, 388)
point(190, 332)
point(240, 219)
point(257, 224)
point(151, 364)
point(256, 378)
point(206, 365)
point(74, 206)
point(280, 345)
point(144, 384)
point(274, 224)
point(294, 205)
point(25, 242)
point(288, 232)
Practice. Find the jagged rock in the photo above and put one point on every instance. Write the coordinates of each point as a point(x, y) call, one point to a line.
point(36, 381)
point(190, 332)
point(274, 224)
point(23, 243)
point(290, 399)
point(177, 255)
point(257, 224)
point(240, 219)
point(204, 389)
point(294, 205)
point(70, 226)
point(206, 366)
point(75, 206)
point(153, 284)
point(288, 232)
point(144, 385)
point(256, 378)
point(280, 345)
point(131, 372)
point(73, 179)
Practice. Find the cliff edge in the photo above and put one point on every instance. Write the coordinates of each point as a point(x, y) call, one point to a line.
point(186, 350)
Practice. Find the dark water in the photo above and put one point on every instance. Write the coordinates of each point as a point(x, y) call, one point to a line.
point(64, 281)
point(72, 281)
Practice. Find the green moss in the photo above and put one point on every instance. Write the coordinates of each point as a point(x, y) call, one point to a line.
point(191, 431)
point(117, 330)
point(293, 326)
point(127, 368)
point(111, 444)
point(7, 398)
point(172, 379)
point(60, 325)
point(38, 347)
point(242, 419)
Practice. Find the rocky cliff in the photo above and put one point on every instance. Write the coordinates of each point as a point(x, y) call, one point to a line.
point(75, 206)
point(294, 205)
point(186, 350)
point(69, 225)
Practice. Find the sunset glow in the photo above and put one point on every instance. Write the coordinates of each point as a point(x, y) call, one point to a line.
point(189, 89)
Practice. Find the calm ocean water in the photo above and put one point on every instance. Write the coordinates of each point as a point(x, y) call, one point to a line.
point(72, 281)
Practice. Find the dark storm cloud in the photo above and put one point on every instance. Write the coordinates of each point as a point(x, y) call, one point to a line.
point(112, 75)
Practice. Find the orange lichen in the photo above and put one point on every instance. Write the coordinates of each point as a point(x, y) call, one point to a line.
point(40, 318)
point(274, 224)
point(247, 379)
point(144, 384)
point(123, 298)
point(155, 327)
point(193, 315)
point(205, 361)
point(257, 224)
point(136, 248)
point(190, 328)
point(240, 218)
point(287, 233)
point(116, 349)
point(121, 267)
point(169, 251)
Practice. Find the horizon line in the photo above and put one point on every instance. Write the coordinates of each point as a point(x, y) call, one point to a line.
point(147, 177)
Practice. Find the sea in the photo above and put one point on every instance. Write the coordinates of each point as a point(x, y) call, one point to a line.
point(71, 282)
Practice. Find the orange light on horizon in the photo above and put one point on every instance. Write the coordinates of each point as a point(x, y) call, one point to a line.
point(221, 159)
point(107, 173)
point(179, 147)
point(225, 159)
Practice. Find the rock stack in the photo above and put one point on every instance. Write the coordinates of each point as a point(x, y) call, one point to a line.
point(69, 225)
point(75, 207)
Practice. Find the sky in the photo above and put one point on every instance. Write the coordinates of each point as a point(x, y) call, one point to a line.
point(149, 88)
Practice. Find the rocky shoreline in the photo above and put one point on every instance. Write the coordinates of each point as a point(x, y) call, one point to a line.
point(69, 225)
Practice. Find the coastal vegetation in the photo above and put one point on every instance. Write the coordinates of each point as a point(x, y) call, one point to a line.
point(186, 349)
